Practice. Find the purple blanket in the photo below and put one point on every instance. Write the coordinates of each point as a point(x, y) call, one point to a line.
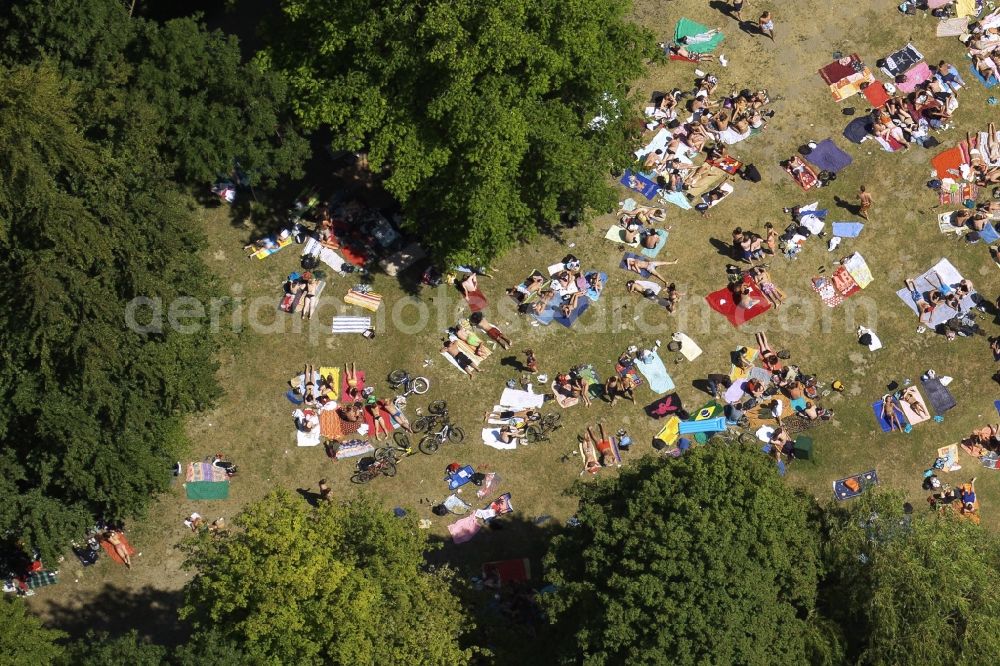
point(827, 157)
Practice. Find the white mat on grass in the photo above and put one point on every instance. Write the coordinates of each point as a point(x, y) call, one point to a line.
point(491, 437)
point(515, 399)
point(949, 275)
point(351, 324)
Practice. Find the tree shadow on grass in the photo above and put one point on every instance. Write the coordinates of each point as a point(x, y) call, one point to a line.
point(151, 612)
point(518, 537)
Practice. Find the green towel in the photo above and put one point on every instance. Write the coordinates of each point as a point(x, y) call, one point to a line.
point(207, 490)
point(688, 28)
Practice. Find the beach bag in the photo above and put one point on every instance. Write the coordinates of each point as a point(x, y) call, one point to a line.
point(852, 485)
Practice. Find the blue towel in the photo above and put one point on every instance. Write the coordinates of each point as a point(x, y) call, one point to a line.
point(880, 415)
point(989, 83)
point(293, 397)
point(628, 255)
point(989, 234)
point(996, 404)
point(592, 293)
point(639, 183)
point(581, 307)
point(828, 157)
point(847, 229)
point(652, 252)
point(678, 199)
point(718, 424)
point(655, 373)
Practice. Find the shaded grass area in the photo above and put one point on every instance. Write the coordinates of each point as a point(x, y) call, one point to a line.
point(253, 425)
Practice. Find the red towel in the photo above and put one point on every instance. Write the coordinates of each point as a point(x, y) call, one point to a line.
point(876, 94)
point(723, 302)
point(110, 549)
point(385, 418)
point(476, 300)
point(835, 71)
point(675, 56)
point(949, 159)
point(508, 571)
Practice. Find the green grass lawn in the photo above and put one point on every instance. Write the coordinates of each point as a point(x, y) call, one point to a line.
point(252, 423)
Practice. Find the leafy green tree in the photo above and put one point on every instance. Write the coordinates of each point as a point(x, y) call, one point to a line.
point(188, 86)
point(23, 639)
point(707, 559)
point(104, 650)
point(343, 584)
point(90, 407)
point(480, 112)
point(912, 590)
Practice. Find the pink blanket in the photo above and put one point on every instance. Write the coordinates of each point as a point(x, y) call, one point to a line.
point(914, 77)
point(464, 529)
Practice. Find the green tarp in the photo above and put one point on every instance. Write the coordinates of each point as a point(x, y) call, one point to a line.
point(688, 28)
point(207, 490)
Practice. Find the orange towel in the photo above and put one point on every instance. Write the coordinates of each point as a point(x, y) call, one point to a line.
point(110, 549)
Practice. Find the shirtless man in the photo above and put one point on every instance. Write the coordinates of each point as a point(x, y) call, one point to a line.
point(924, 308)
point(495, 333)
point(114, 538)
point(464, 362)
point(911, 400)
point(640, 265)
point(866, 202)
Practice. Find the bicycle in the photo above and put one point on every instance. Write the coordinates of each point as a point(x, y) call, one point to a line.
point(369, 468)
point(542, 427)
point(438, 412)
point(401, 379)
point(448, 432)
point(400, 448)
point(737, 434)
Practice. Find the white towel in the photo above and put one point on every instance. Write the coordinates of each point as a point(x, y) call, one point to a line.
point(689, 348)
point(491, 437)
point(515, 399)
point(351, 324)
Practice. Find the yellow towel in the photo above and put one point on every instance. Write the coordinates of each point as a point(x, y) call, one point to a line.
point(325, 371)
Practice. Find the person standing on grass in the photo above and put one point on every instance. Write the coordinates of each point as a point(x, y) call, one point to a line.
point(866, 202)
point(736, 8)
point(766, 25)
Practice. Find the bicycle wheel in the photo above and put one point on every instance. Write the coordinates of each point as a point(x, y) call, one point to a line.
point(389, 468)
point(551, 420)
point(385, 453)
point(361, 477)
point(532, 434)
point(456, 434)
point(438, 407)
point(429, 444)
point(423, 424)
point(420, 385)
point(397, 377)
point(401, 440)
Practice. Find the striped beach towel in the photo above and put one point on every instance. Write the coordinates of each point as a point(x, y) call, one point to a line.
point(203, 471)
point(351, 324)
point(370, 301)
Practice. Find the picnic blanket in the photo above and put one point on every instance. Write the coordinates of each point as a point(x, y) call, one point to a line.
point(658, 142)
point(914, 77)
point(665, 406)
point(553, 313)
point(900, 61)
point(707, 180)
point(491, 437)
point(807, 178)
point(865, 481)
point(563, 400)
point(689, 348)
point(688, 30)
point(272, 245)
point(953, 27)
point(639, 183)
point(616, 234)
point(723, 302)
point(456, 505)
point(460, 478)
point(880, 416)
point(846, 76)
point(311, 438)
point(204, 471)
point(924, 283)
point(290, 302)
point(828, 157)
point(911, 416)
point(651, 252)
point(655, 372)
point(351, 324)
point(987, 83)
point(940, 397)
point(37, 579)
point(876, 95)
point(368, 301)
point(491, 481)
point(206, 490)
point(476, 300)
point(344, 395)
point(949, 454)
point(847, 229)
point(515, 399)
point(110, 549)
point(858, 129)
point(354, 448)
point(508, 571)
point(464, 529)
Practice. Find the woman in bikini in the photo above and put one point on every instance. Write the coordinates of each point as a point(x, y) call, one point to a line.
point(114, 538)
point(924, 308)
point(889, 413)
point(771, 291)
point(353, 381)
point(307, 304)
point(911, 400)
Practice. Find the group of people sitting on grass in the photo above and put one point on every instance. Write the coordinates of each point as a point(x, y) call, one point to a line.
point(909, 117)
point(983, 42)
point(574, 384)
point(983, 440)
point(639, 226)
point(563, 292)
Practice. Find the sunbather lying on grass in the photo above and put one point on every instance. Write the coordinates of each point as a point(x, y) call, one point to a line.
point(640, 265)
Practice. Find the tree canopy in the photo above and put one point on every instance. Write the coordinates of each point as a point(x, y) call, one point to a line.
point(479, 111)
point(914, 592)
point(23, 639)
point(708, 559)
point(187, 86)
point(343, 583)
